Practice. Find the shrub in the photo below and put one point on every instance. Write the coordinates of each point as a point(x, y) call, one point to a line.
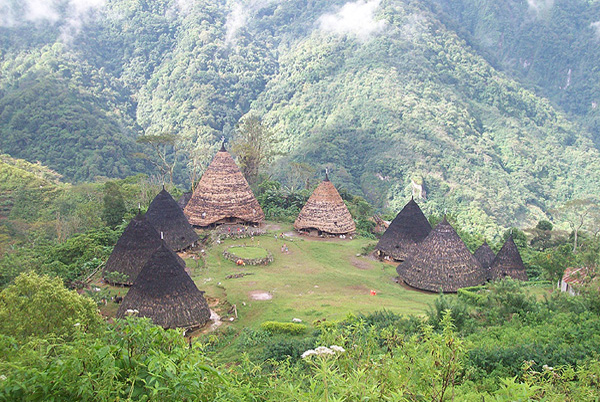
point(291, 328)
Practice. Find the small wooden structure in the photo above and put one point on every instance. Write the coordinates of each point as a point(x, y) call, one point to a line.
point(442, 262)
point(166, 294)
point(508, 262)
point(325, 213)
point(166, 216)
point(407, 230)
point(223, 196)
point(133, 249)
point(485, 255)
point(573, 278)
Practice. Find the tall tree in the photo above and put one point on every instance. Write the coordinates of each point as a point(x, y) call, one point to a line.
point(254, 146)
point(114, 205)
point(579, 214)
point(165, 148)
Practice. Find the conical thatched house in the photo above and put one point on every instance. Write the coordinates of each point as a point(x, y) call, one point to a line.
point(223, 196)
point(409, 228)
point(165, 293)
point(325, 213)
point(442, 262)
point(184, 199)
point(508, 262)
point(133, 249)
point(485, 255)
point(166, 216)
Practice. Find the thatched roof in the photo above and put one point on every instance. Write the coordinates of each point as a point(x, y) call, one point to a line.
point(133, 249)
point(221, 194)
point(508, 262)
point(442, 262)
point(485, 255)
point(184, 199)
point(325, 211)
point(409, 228)
point(166, 216)
point(165, 293)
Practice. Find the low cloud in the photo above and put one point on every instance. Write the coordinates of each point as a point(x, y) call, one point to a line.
point(540, 6)
point(596, 27)
point(77, 12)
point(239, 15)
point(354, 18)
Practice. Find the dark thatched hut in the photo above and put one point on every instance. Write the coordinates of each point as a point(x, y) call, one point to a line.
point(325, 213)
point(133, 249)
point(184, 199)
point(165, 293)
point(223, 196)
point(485, 255)
point(508, 262)
point(409, 228)
point(166, 216)
point(442, 262)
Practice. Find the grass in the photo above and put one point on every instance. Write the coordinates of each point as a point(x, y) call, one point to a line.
point(316, 279)
point(249, 252)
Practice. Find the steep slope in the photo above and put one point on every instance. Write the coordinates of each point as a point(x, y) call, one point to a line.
point(413, 101)
point(387, 94)
point(553, 46)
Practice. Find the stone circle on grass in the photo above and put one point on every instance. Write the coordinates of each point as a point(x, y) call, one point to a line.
point(248, 255)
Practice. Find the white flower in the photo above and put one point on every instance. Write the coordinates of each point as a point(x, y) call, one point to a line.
point(324, 350)
point(337, 348)
point(548, 368)
point(308, 353)
point(77, 324)
point(2, 377)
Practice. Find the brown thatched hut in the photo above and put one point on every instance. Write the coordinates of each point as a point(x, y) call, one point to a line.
point(442, 262)
point(407, 230)
point(223, 196)
point(485, 255)
point(165, 293)
point(166, 216)
point(325, 213)
point(133, 249)
point(508, 262)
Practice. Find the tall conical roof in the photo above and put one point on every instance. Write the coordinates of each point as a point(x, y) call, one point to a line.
point(133, 249)
point(485, 255)
point(325, 211)
point(165, 293)
point(166, 216)
point(184, 199)
point(508, 262)
point(442, 262)
point(223, 193)
point(409, 228)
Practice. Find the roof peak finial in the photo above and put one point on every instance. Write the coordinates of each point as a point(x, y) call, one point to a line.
point(162, 236)
point(139, 208)
point(223, 144)
point(326, 174)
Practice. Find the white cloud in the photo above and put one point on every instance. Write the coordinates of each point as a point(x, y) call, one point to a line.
point(14, 13)
point(539, 6)
point(596, 26)
point(240, 13)
point(354, 18)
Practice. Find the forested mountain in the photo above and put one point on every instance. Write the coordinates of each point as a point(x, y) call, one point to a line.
point(390, 95)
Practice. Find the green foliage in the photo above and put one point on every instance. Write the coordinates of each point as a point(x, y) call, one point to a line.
point(113, 205)
point(40, 306)
point(544, 225)
point(291, 328)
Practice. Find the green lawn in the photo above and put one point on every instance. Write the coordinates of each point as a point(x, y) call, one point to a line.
point(249, 252)
point(316, 279)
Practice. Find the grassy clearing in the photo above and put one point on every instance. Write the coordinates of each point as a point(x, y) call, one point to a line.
point(249, 252)
point(315, 279)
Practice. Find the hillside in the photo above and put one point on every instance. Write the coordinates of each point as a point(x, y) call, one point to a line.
point(388, 95)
